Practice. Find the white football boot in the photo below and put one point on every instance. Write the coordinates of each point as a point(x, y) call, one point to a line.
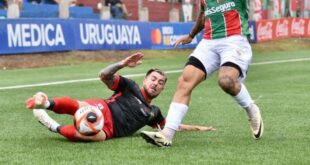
point(256, 121)
point(156, 138)
point(45, 119)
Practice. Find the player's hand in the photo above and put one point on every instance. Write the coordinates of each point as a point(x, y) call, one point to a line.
point(133, 60)
point(183, 40)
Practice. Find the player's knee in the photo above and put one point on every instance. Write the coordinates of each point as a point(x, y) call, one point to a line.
point(227, 84)
point(184, 85)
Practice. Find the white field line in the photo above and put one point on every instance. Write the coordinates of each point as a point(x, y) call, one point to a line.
point(281, 61)
point(138, 75)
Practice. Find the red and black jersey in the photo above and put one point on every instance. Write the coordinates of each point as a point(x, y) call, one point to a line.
point(131, 109)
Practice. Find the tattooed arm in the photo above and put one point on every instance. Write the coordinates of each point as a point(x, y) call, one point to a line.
point(107, 74)
point(199, 25)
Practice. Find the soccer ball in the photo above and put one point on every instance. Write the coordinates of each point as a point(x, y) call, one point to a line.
point(88, 120)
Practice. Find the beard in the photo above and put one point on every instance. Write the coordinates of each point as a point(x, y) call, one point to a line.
point(149, 93)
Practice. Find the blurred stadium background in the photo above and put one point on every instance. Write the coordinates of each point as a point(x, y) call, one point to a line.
point(29, 26)
point(156, 10)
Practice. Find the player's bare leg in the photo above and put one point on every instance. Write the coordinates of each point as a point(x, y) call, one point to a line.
point(189, 79)
point(229, 81)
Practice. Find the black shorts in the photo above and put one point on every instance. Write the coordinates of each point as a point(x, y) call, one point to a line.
point(196, 63)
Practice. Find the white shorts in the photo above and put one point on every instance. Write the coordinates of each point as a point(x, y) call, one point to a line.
point(214, 53)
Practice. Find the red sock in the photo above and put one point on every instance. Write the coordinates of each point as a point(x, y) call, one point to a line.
point(65, 105)
point(68, 131)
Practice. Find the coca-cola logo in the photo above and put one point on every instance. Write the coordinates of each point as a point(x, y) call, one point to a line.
point(282, 28)
point(264, 31)
point(298, 26)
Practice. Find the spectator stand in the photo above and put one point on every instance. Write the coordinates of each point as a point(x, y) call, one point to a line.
point(50, 9)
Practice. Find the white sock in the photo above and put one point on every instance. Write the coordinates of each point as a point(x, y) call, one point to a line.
point(251, 110)
point(42, 116)
point(243, 98)
point(176, 113)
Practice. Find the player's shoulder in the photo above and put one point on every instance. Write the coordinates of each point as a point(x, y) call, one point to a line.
point(129, 85)
point(127, 81)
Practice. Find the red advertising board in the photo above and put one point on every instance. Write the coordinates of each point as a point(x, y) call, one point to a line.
point(298, 28)
point(282, 28)
point(264, 30)
point(308, 28)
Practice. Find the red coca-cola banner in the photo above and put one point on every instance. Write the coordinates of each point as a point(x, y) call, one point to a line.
point(308, 28)
point(282, 28)
point(265, 30)
point(298, 27)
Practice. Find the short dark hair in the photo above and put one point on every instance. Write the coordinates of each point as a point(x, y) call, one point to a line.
point(158, 71)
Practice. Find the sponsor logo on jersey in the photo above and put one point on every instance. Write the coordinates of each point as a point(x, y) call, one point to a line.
point(139, 101)
point(220, 9)
point(144, 111)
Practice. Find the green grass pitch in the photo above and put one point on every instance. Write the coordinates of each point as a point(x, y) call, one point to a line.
point(282, 90)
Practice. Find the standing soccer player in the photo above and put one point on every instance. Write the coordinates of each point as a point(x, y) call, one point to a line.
point(224, 47)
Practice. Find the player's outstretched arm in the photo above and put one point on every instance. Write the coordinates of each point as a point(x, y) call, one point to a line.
point(185, 127)
point(199, 25)
point(107, 74)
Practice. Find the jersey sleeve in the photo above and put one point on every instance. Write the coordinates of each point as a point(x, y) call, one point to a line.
point(158, 119)
point(121, 83)
point(116, 83)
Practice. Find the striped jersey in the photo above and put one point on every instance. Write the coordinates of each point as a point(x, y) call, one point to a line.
point(225, 18)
